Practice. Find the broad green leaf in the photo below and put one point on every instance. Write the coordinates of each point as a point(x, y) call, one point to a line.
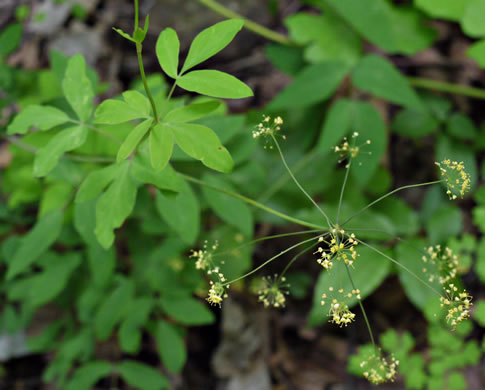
point(211, 41)
point(336, 125)
point(113, 112)
point(161, 145)
point(115, 205)
point(370, 126)
point(167, 49)
point(77, 87)
point(55, 196)
point(327, 37)
point(477, 52)
point(410, 254)
point(479, 314)
point(410, 31)
point(372, 19)
point(202, 143)
point(45, 286)
point(133, 139)
point(403, 217)
point(137, 316)
point(378, 76)
point(191, 112)
point(36, 242)
point(444, 223)
point(215, 84)
point(413, 123)
point(88, 375)
point(68, 139)
point(461, 126)
point(187, 310)
point(471, 21)
point(443, 9)
point(313, 84)
point(138, 102)
point(142, 376)
point(101, 262)
point(287, 59)
point(95, 182)
point(113, 309)
point(480, 264)
point(42, 117)
point(10, 38)
point(170, 345)
point(142, 170)
point(369, 270)
point(231, 210)
point(181, 212)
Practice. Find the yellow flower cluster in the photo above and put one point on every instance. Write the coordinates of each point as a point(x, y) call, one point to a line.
point(216, 293)
point(268, 128)
point(339, 311)
point(441, 264)
point(458, 305)
point(339, 247)
point(204, 256)
point(457, 179)
point(378, 369)
point(272, 290)
point(349, 150)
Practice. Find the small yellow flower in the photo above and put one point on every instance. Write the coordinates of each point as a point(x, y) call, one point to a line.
point(458, 181)
point(341, 246)
point(441, 264)
point(349, 150)
point(272, 290)
point(268, 128)
point(458, 305)
point(378, 369)
point(216, 293)
point(339, 311)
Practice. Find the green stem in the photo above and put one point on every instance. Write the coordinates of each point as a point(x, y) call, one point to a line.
point(254, 203)
point(400, 265)
point(361, 308)
point(168, 97)
point(139, 49)
point(342, 191)
point(250, 25)
point(296, 257)
point(297, 183)
point(443, 86)
point(270, 260)
point(389, 194)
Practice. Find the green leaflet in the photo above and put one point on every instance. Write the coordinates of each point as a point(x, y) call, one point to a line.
point(141, 376)
point(202, 143)
point(133, 139)
point(138, 102)
point(170, 345)
point(477, 52)
point(42, 117)
point(113, 112)
point(313, 84)
point(231, 210)
point(215, 84)
point(211, 41)
point(77, 88)
point(68, 139)
point(88, 375)
point(472, 20)
point(181, 212)
point(161, 145)
point(36, 242)
point(413, 123)
point(191, 112)
point(187, 310)
point(95, 182)
point(137, 316)
point(378, 76)
point(10, 38)
point(443, 9)
point(115, 205)
point(113, 309)
point(167, 49)
point(336, 125)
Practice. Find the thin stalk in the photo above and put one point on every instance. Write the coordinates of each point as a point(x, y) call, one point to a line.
point(250, 25)
point(255, 241)
point(443, 86)
point(400, 265)
point(361, 308)
point(298, 183)
point(342, 191)
point(168, 97)
point(254, 203)
point(139, 48)
point(389, 194)
point(296, 257)
point(270, 260)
